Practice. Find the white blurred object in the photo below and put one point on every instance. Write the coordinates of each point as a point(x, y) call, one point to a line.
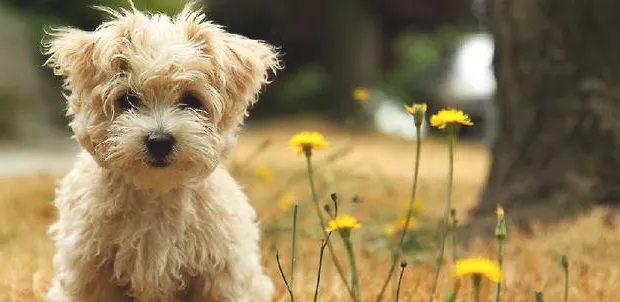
point(472, 76)
point(469, 83)
point(470, 79)
point(390, 117)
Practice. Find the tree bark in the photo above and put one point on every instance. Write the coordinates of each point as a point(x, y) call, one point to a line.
point(558, 146)
point(353, 55)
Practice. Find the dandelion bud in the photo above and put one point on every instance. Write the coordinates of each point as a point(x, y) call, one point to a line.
point(565, 262)
point(540, 297)
point(499, 211)
point(418, 111)
point(455, 221)
point(403, 264)
point(500, 227)
point(356, 198)
point(334, 197)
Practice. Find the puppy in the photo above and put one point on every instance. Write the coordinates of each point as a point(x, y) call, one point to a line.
point(148, 213)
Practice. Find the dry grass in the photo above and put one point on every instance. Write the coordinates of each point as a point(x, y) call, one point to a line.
point(373, 164)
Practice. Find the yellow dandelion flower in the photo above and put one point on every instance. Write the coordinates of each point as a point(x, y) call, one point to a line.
point(450, 116)
point(361, 94)
point(416, 108)
point(287, 201)
point(263, 173)
point(306, 141)
point(343, 222)
point(398, 226)
point(478, 266)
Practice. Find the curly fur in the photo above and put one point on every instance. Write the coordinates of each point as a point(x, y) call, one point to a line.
point(131, 231)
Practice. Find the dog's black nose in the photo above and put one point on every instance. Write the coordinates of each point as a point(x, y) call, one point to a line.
point(159, 144)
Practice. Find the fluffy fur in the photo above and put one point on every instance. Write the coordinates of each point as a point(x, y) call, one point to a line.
point(129, 230)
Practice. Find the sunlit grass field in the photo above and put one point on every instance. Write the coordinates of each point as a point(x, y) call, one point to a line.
point(379, 170)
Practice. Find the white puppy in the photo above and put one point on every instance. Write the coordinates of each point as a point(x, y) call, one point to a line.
point(148, 213)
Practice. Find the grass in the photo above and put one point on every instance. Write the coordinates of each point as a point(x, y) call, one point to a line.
point(379, 170)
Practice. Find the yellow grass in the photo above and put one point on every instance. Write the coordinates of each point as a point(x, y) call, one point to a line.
point(532, 262)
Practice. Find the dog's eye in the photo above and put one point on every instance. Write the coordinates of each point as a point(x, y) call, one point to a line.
point(190, 101)
point(129, 101)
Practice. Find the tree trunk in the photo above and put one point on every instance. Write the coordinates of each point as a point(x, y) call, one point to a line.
point(558, 146)
point(353, 55)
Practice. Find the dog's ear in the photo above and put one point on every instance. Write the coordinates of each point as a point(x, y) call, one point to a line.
point(70, 54)
point(239, 67)
point(248, 65)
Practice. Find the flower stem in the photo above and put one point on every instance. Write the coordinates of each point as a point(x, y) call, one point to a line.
point(477, 280)
point(565, 266)
point(400, 279)
point(288, 287)
point(295, 208)
point(451, 139)
point(315, 198)
point(540, 297)
point(500, 260)
point(352, 267)
point(414, 186)
point(455, 290)
point(454, 236)
point(451, 297)
point(318, 276)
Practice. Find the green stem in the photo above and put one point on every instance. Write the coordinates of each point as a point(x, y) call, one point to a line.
point(318, 277)
point(455, 290)
point(295, 208)
point(414, 186)
point(451, 139)
point(315, 198)
point(565, 266)
point(451, 297)
point(477, 280)
point(354, 280)
point(288, 287)
point(454, 241)
point(500, 260)
point(566, 288)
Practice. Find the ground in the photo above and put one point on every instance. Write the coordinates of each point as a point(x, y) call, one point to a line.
point(377, 168)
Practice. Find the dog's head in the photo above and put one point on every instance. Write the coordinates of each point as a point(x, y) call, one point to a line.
point(155, 97)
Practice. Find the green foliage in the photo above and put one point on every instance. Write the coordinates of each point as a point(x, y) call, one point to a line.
point(298, 92)
point(419, 54)
point(42, 14)
point(169, 7)
point(81, 13)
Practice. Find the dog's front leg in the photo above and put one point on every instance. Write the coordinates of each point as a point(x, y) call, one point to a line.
point(83, 282)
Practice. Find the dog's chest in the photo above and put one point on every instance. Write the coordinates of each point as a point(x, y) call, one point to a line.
point(160, 244)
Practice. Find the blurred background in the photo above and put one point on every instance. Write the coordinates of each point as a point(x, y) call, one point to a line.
point(351, 62)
